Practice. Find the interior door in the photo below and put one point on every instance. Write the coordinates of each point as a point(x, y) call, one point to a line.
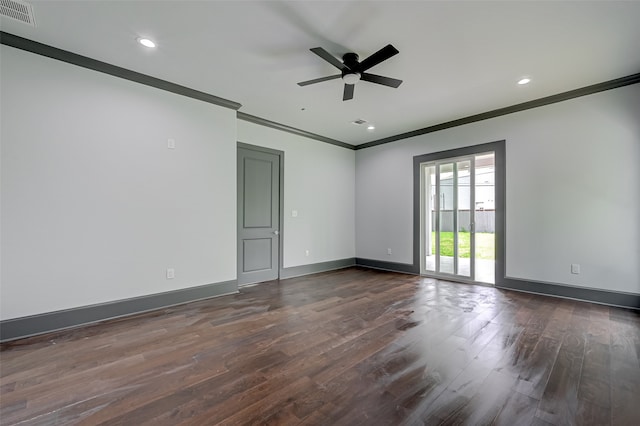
point(258, 215)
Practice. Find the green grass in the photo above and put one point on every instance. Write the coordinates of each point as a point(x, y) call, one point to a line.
point(485, 244)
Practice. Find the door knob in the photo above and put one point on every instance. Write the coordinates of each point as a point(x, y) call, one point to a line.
point(276, 232)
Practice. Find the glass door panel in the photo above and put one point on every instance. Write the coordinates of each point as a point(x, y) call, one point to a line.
point(446, 201)
point(464, 219)
point(429, 215)
point(485, 218)
point(458, 217)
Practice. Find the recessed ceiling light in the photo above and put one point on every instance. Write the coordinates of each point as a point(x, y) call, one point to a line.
point(371, 127)
point(146, 42)
point(525, 80)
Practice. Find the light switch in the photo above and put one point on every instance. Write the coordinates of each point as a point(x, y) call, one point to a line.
point(294, 213)
point(575, 268)
point(171, 143)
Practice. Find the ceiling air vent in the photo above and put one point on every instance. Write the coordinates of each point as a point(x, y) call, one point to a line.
point(18, 11)
point(359, 122)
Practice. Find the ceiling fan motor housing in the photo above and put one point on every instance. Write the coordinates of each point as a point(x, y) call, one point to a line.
point(350, 60)
point(350, 72)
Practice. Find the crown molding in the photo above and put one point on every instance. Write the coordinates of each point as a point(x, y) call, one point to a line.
point(93, 64)
point(279, 126)
point(106, 68)
point(565, 96)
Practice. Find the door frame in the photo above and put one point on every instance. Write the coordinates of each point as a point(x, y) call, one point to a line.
point(498, 148)
point(280, 155)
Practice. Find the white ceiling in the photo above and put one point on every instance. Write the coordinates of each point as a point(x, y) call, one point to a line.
point(456, 58)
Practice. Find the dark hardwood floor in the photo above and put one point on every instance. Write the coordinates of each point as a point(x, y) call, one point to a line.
point(348, 347)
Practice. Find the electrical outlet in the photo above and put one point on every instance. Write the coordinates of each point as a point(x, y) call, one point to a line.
point(575, 268)
point(171, 273)
point(389, 251)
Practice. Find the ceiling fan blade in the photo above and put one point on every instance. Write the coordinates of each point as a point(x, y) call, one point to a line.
point(348, 92)
point(329, 58)
point(381, 55)
point(379, 79)
point(319, 80)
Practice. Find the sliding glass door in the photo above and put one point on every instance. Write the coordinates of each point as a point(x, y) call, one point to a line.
point(457, 193)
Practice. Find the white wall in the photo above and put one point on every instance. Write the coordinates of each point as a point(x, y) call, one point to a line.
point(94, 206)
point(572, 196)
point(319, 182)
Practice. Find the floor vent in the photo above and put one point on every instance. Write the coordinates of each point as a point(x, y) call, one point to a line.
point(18, 11)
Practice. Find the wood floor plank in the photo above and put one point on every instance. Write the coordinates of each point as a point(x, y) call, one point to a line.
point(353, 346)
point(485, 406)
point(559, 402)
point(595, 380)
point(533, 375)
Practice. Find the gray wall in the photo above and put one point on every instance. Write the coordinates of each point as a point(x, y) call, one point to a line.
point(562, 155)
point(319, 184)
point(94, 206)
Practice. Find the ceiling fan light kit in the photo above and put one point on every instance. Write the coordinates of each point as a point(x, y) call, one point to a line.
point(351, 78)
point(353, 71)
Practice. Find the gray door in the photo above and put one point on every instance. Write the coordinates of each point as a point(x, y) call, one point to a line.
point(258, 215)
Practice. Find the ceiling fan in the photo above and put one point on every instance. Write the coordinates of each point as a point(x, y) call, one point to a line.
point(354, 71)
